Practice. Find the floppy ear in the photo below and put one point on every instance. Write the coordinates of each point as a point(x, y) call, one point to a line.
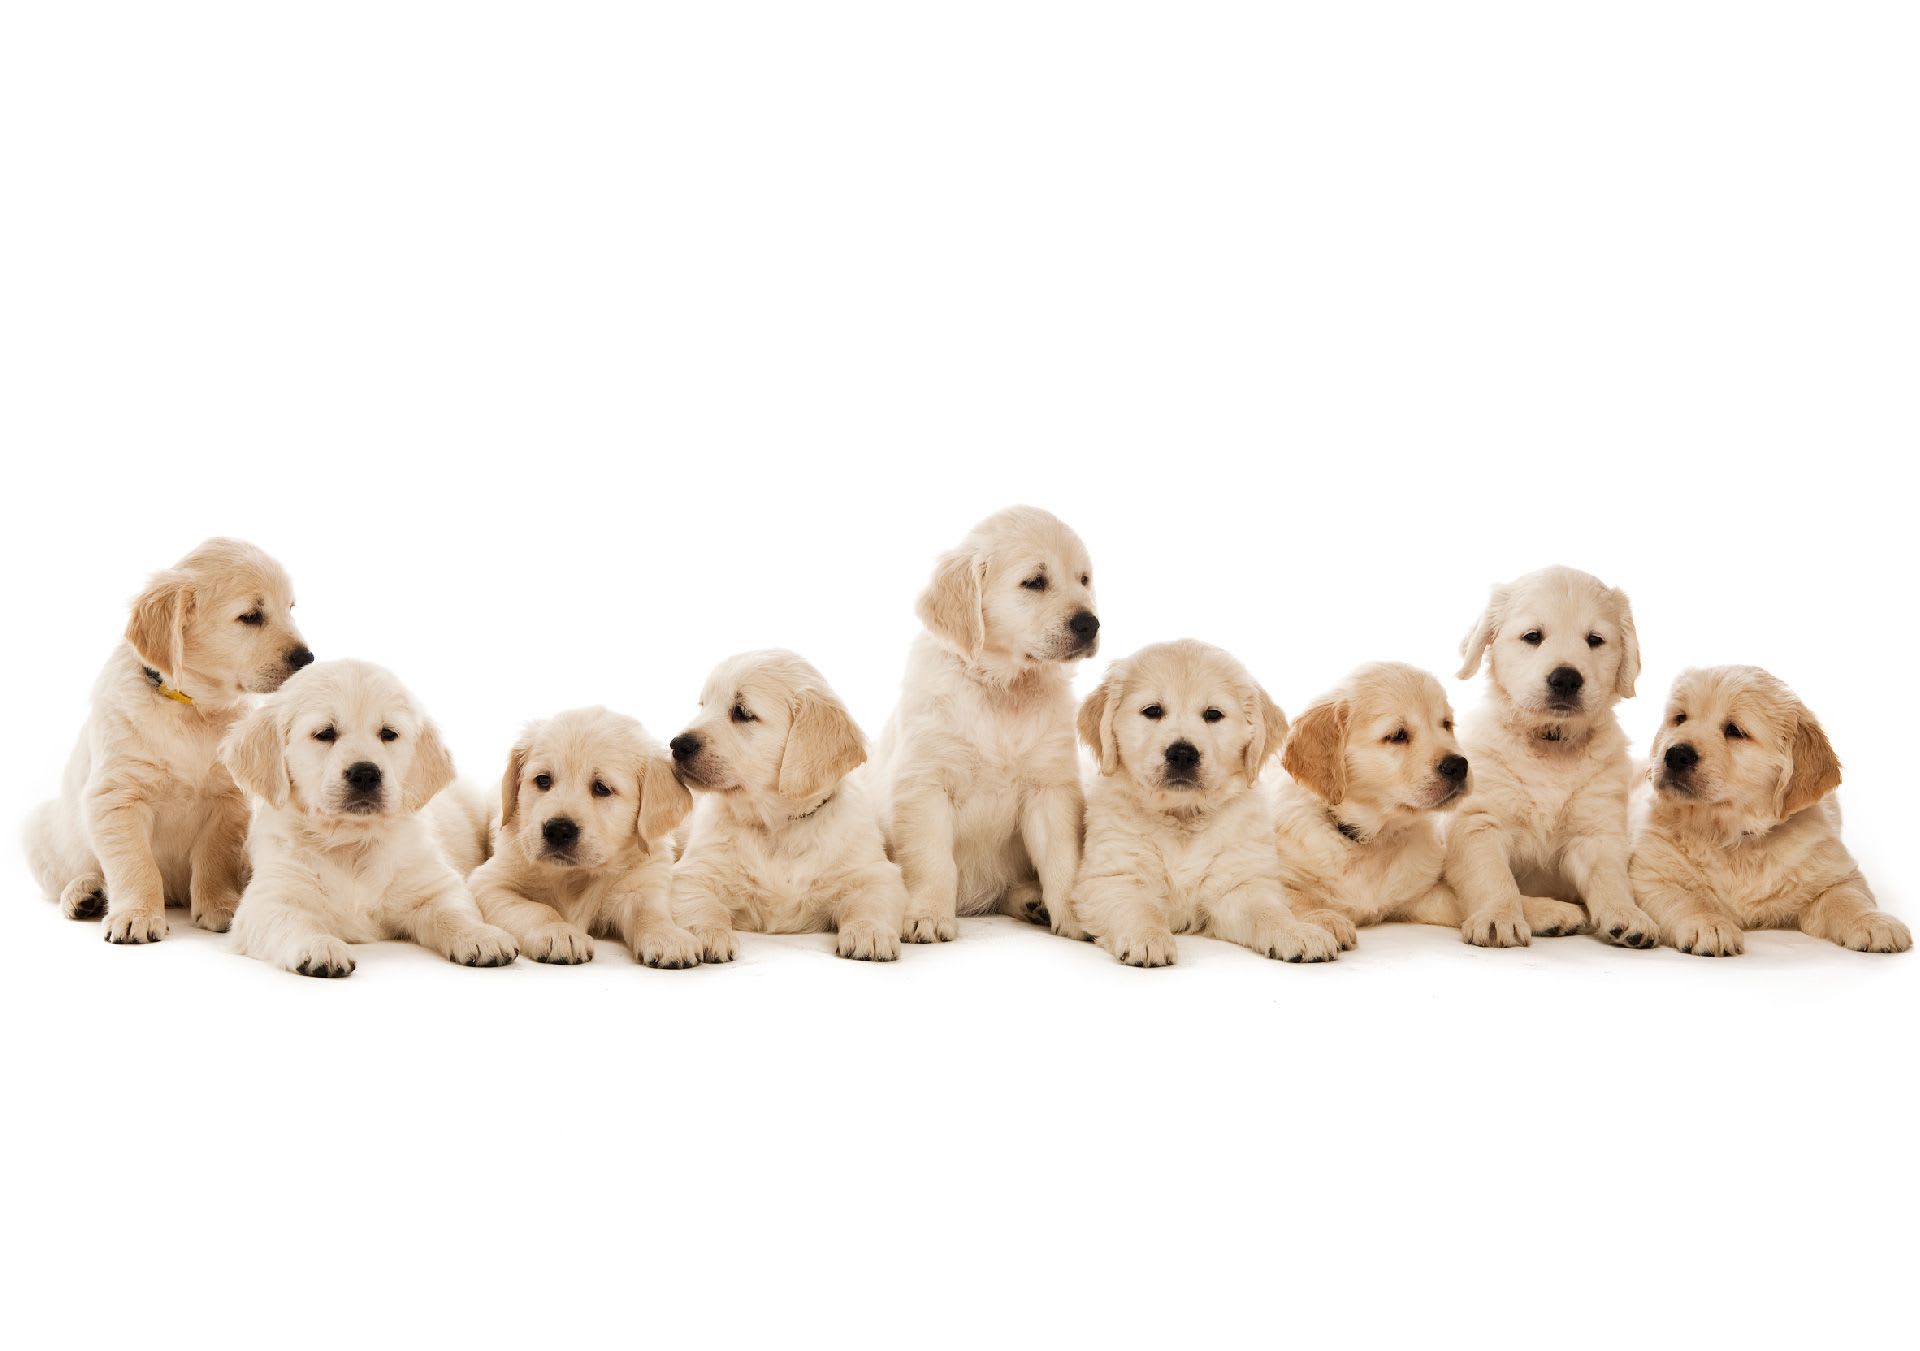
point(1269, 732)
point(510, 781)
point(1097, 711)
point(950, 606)
point(823, 746)
point(1816, 769)
point(664, 800)
point(157, 628)
point(1480, 636)
point(1316, 751)
point(254, 752)
point(432, 768)
point(1629, 646)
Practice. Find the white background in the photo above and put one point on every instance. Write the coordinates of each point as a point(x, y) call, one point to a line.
point(561, 350)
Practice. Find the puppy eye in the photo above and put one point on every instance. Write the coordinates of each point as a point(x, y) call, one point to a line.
point(1038, 583)
point(1153, 711)
point(324, 734)
point(740, 714)
point(1399, 737)
point(1679, 718)
point(543, 781)
point(1734, 733)
point(601, 790)
point(1532, 637)
point(254, 618)
point(1594, 640)
point(1212, 715)
point(1086, 579)
point(1447, 726)
point(388, 734)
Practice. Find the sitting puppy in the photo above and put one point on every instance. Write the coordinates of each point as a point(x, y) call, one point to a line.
point(1179, 840)
point(1546, 826)
point(781, 841)
point(1735, 826)
point(147, 818)
point(582, 846)
point(341, 762)
point(1373, 766)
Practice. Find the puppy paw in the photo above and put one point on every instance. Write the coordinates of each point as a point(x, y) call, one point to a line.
point(1142, 947)
point(1067, 927)
point(135, 926)
point(324, 957)
point(1296, 942)
point(864, 941)
point(924, 928)
point(483, 945)
point(560, 945)
point(716, 944)
point(1336, 924)
point(1874, 932)
point(213, 911)
point(1707, 936)
point(670, 949)
point(1496, 929)
point(1628, 928)
point(1548, 918)
point(84, 898)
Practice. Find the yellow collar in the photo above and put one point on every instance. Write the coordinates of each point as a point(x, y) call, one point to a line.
point(178, 696)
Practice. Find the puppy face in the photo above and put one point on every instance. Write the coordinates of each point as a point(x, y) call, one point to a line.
point(1185, 722)
point(1736, 737)
point(1018, 589)
point(1559, 644)
point(585, 785)
point(1383, 743)
point(341, 739)
point(769, 726)
point(219, 624)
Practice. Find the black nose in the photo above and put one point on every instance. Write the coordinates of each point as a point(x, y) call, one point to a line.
point(685, 746)
point(1681, 757)
point(363, 774)
point(1453, 767)
point(1183, 755)
point(1085, 623)
point(1565, 681)
point(560, 831)
point(299, 657)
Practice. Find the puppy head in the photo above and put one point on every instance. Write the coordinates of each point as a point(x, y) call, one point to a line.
point(1558, 643)
point(219, 624)
point(586, 784)
point(1018, 592)
point(1185, 722)
point(1382, 744)
point(769, 727)
point(341, 739)
point(1736, 738)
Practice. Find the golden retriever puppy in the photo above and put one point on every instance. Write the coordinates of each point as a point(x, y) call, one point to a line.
point(146, 817)
point(1545, 832)
point(1373, 768)
point(1735, 826)
point(781, 840)
point(340, 762)
point(976, 776)
point(582, 848)
point(1179, 838)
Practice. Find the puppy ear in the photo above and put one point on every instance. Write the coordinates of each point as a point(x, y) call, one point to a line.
point(157, 627)
point(823, 746)
point(255, 753)
point(1816, 769)
point(432, 768)
point(1269, 732)
point(1316, 751)
point(1480, 636)
point(1629, 646)
point(510, 781)
point(950, 606)
point(1097, 711)
point(664, 800)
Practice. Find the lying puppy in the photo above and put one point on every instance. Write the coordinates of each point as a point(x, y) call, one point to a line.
point(581, 848)
point(976, 776)
point(147, 818)
point(1373, 766)
point(1179, 840)
point(1546, 826)
point(341, 762)
point(782, 841)
point(1735, 826)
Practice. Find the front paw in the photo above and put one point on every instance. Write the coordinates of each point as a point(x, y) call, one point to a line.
point(1708, 936)
point(1066, 926)
point(1500, 928)
point(922, 927)
point(1549, 918)
point(1336, 924)
point(1296, 943)
point(1629, 927)
point(716, 944)
point(135, 926)
point(864, 941)
point(1142, 947)
point(324, 957)
point(670, 949)
point(560, 945)
point(213, 911)
point(483, 945)
point(1874, 932)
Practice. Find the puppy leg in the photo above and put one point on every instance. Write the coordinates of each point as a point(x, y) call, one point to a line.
point(1126, 919)
point(446, 920)
point(218, 865)
point(1255, 915)
point(1846, 914)
point(121, 827)
point(1480, 870)
point(698, 907)
point(1050, 827)
point(643, 916)
point(1597, 867)
point(923, 847)
point(542, 932)
point(275, 926)
point(872, 915)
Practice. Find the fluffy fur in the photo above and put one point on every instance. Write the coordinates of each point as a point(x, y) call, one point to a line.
point(1735, 826)
point(1373, 767)
point(1179, 838)
point(1545, 831)
point(341, 762)
point(146, 816)
point(588, 804)
point(782, 840)
point(976, 777)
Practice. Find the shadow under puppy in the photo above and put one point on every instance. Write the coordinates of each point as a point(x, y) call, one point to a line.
point(1373, 769)
point(782, 840)
point(1179, 838)
point(582, 848)
point(342, 762)
point(1735, 826)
